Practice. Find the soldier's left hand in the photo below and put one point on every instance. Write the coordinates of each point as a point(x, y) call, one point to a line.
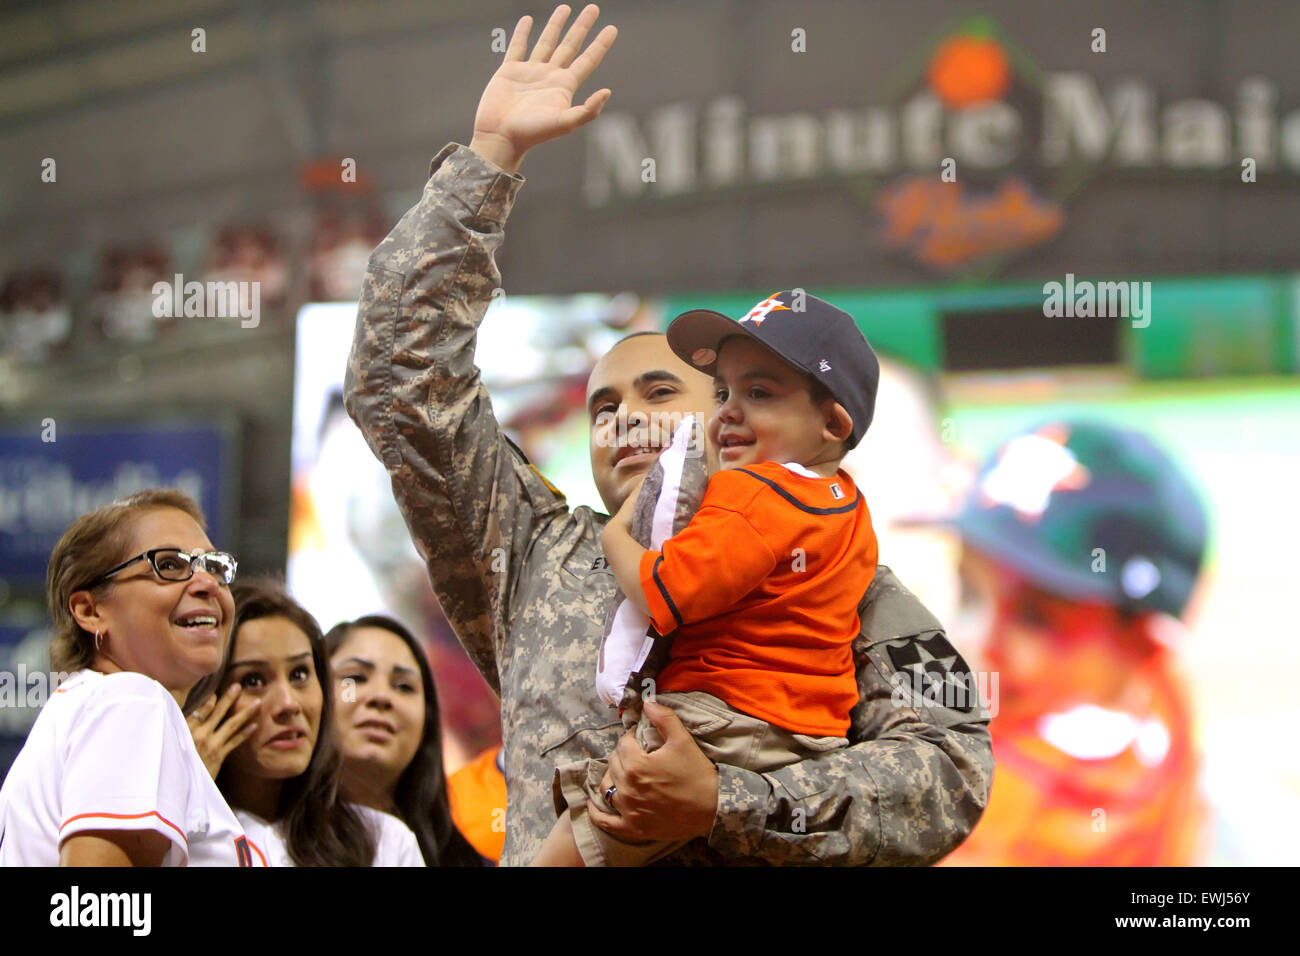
point(670, 794)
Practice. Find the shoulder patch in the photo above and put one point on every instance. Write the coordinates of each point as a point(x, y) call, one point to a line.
point(524, 458)
point(934, 672)
point(516, 449)
point(556, 491)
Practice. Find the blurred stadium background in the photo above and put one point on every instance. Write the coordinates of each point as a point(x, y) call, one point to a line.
point(774, 168)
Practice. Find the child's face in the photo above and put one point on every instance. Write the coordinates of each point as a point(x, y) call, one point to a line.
point(765, 410)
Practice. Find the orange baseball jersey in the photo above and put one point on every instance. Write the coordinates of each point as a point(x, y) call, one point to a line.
point(764, 585)
point(477, 792)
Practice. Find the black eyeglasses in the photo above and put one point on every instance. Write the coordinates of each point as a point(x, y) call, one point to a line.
point(173, 564)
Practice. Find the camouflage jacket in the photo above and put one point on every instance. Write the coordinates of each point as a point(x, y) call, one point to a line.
point(517, 573)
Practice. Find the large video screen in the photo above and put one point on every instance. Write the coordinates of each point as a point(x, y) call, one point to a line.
point(1223, 674)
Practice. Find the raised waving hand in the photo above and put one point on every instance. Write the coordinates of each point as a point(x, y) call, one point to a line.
point(530, 98)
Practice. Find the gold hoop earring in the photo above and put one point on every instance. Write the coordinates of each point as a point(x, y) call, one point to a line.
point(98, 638)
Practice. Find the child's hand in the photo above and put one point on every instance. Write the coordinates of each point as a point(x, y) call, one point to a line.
point(624, 552)
point(628, 508)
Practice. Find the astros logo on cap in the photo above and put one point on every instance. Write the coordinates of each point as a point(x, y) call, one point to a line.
point(759, 312)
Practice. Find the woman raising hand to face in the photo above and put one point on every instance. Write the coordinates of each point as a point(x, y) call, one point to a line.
point(283, 780)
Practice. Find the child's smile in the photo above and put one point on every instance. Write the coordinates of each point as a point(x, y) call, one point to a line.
point(765, 410)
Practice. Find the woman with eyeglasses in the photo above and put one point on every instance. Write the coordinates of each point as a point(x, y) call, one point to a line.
point(283, 781)
point(109, 775)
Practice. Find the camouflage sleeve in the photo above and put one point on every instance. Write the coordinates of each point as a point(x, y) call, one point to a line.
point(915, 778)
point(470, 499)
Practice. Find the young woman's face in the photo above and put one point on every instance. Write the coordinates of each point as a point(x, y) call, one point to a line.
point(173, 631)
point(272, 663)
point(379, 700)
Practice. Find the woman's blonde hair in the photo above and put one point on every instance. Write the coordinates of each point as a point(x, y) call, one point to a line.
point(92, 545)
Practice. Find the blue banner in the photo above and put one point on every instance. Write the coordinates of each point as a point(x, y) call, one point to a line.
point(25, 684)
point(50, 477)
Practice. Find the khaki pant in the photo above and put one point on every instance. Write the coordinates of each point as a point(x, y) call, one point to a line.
point(726, 736)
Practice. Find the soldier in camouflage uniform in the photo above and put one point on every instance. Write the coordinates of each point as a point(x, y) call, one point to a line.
point(521, 576)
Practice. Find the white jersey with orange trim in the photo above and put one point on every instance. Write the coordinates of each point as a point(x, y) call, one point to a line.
point(113, 752)
point(395, 844)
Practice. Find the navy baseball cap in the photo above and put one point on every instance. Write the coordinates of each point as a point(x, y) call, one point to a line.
point(807, 332)
point(1090, 511)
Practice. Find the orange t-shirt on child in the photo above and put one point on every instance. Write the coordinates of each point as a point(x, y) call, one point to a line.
point(763, 586)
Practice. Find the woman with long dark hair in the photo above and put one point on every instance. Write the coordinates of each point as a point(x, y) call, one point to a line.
point(390, 733)
point(283, 782)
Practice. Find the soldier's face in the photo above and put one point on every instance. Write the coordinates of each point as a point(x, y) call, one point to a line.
point(636, 396)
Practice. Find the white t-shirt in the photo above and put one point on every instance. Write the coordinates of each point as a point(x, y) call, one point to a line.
point(395, 844)
point(113, 752)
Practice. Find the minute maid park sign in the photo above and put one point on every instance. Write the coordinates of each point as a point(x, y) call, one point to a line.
point(956, 122)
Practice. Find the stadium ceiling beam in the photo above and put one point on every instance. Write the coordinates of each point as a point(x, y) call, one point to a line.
point(75, 50)
point(217, 15)
point(88, 104)
point(295, 104)
point(74, 106)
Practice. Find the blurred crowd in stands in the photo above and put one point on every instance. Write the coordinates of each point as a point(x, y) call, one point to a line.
point(46, 316)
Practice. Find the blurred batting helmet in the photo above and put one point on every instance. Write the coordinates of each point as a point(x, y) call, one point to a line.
point(1090, 511)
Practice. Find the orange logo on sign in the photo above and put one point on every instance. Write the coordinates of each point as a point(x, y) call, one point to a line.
point(939, 225)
